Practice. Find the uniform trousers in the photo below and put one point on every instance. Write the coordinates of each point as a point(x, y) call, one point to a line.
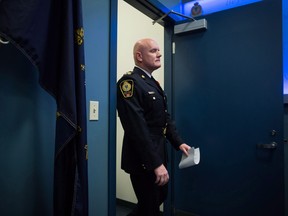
point(150, 196)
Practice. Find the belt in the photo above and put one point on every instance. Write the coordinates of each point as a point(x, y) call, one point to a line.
point(158, 130)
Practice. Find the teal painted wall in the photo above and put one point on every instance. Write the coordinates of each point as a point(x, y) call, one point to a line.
point(26, 138)
point(286, 155)
point(97, 29)
point(27, 124)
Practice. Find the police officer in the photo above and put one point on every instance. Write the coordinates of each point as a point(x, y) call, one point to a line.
point(142, 109)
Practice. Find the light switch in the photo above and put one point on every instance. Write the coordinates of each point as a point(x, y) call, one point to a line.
point(94, 110)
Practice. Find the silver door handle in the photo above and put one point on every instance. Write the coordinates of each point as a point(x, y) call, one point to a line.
point(272, 145)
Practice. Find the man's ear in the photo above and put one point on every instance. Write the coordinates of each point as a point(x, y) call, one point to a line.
point(139, 56)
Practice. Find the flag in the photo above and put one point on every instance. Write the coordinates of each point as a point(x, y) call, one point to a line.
point(51, 35)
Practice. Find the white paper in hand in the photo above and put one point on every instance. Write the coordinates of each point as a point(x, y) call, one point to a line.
point(192, 159)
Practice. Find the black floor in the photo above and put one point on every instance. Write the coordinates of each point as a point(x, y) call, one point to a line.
point(123, 207)
point(122, 211)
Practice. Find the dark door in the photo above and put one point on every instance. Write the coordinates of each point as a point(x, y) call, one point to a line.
point(227, 100)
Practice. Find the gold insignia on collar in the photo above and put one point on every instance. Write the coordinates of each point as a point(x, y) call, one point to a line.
point(127, 88)
point(143, 76)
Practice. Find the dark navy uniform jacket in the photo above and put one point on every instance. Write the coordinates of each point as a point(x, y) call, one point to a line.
point(142, 108)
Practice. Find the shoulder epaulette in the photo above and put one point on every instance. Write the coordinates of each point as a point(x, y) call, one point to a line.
point(128, 73)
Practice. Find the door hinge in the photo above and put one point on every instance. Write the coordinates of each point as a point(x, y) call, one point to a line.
point(173, 47)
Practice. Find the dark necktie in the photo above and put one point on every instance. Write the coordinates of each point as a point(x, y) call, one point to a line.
point(158, 84)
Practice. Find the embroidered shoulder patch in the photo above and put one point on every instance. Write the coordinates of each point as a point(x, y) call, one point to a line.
point(127, 88)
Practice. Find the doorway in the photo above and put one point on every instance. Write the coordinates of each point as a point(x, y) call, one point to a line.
point(132, 26)
point(257, 95)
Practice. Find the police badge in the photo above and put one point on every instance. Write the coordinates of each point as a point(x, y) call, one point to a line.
point(127, 87)
point(196, 9)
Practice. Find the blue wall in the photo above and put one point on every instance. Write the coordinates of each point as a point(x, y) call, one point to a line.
point(286, 155)
point(285, 44)
point(97, 32)
point(27, 122)
point(27, 117)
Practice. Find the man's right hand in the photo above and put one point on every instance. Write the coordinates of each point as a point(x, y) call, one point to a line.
point(162, 176)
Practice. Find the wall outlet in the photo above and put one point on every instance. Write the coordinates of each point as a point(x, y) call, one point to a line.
point(94, 110)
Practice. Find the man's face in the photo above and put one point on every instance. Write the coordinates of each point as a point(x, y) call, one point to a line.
point(150, 56)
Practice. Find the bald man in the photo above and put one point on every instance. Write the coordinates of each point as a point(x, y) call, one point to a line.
point(142, 109)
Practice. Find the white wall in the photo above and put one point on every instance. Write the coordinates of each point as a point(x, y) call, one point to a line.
point(132, 26)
